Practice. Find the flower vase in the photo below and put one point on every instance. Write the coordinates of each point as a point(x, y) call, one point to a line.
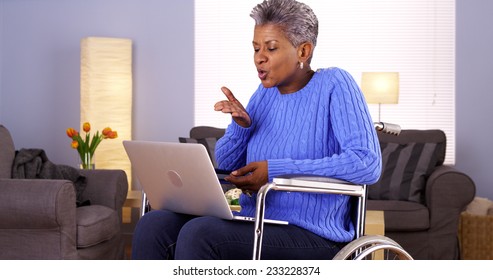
point(87, 161)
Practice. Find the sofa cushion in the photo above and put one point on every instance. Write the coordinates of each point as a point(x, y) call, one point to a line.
point(405, 168)
point(418, 136)
point(96, 224)
point(402, 215)
point(7, 153)
point(208, 142)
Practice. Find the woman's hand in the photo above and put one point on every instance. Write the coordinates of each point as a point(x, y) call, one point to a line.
point(233, 107)
point(250, 177)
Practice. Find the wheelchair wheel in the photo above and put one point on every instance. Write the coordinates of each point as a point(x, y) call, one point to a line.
point(373, 247)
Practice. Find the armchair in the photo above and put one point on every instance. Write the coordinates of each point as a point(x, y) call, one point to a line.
point(39, 218)
point(422, 198)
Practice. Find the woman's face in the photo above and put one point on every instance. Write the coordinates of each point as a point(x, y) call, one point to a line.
point(276, 59)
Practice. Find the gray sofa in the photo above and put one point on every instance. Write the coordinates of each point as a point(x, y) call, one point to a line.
point(39, 218)
point(422, 199)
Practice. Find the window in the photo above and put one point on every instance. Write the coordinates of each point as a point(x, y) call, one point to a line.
point(413, 37)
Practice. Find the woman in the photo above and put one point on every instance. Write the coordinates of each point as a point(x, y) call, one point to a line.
point(298, 122)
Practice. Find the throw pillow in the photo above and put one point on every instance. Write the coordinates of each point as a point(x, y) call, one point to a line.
point(209, 143)
point(405, 168)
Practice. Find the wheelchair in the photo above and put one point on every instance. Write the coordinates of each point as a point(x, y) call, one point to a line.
point(363, 247)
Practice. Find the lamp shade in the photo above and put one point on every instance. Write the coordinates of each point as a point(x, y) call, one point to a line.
point(106, 95)
point(380, 87)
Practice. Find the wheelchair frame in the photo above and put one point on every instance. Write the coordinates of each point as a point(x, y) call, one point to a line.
point(362, 247)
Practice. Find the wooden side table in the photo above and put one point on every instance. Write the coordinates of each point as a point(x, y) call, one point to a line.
point(375, 223)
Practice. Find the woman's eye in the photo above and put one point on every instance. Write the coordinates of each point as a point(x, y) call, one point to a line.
point(269, 49)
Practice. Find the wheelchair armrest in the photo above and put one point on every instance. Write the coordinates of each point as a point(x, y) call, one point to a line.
point(312, 179)
point(316, 184)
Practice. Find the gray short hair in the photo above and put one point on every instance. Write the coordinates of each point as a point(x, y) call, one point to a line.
point(297, 20)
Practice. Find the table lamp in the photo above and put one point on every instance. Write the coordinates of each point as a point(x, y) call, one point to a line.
point(380, 88)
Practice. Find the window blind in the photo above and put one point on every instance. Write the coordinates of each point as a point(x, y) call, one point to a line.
point(413, 37)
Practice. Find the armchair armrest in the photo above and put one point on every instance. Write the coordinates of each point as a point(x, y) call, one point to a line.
point(38, 219)
point(447, 187)
point(106, 187)
point(36, 204)
point(448, 192)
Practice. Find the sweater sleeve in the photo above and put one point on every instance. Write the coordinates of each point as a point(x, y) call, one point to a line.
point(231, 148)
point(359, 159)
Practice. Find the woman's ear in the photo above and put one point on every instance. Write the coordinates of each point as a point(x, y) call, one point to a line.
point(305, 51)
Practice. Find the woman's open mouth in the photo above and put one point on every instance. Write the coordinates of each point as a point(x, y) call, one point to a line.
point(262, 74)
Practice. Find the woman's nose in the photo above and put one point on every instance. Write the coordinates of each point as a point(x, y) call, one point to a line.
point(260, 57)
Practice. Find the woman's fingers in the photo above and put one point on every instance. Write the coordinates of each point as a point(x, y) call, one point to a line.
point(234, 107)
point(250, 177)
point(229, 95)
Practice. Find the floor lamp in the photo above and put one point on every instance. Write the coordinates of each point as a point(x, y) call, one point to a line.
point(380, 88)
point(106, 95)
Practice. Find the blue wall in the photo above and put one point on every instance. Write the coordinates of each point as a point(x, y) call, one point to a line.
point(474, 87)
point(39, 72)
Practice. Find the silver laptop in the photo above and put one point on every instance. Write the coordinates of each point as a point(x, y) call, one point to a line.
point(180, 177)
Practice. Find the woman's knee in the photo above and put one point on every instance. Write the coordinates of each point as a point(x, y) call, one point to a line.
point(159, 226)
point(201, 228)
point(156, 233)
point(209, 238)
point(152, 221)
point(199, 237)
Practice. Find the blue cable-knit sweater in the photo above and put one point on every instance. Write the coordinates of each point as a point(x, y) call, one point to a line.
point(323, 129)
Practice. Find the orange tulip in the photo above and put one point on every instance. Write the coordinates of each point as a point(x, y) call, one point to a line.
point(106, 130)
point(108, 133)
point(74, 144)
point(72, 132)
point(112, 134)
point(86, 127)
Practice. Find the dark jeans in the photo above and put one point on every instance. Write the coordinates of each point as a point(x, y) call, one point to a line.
point(163, 234)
